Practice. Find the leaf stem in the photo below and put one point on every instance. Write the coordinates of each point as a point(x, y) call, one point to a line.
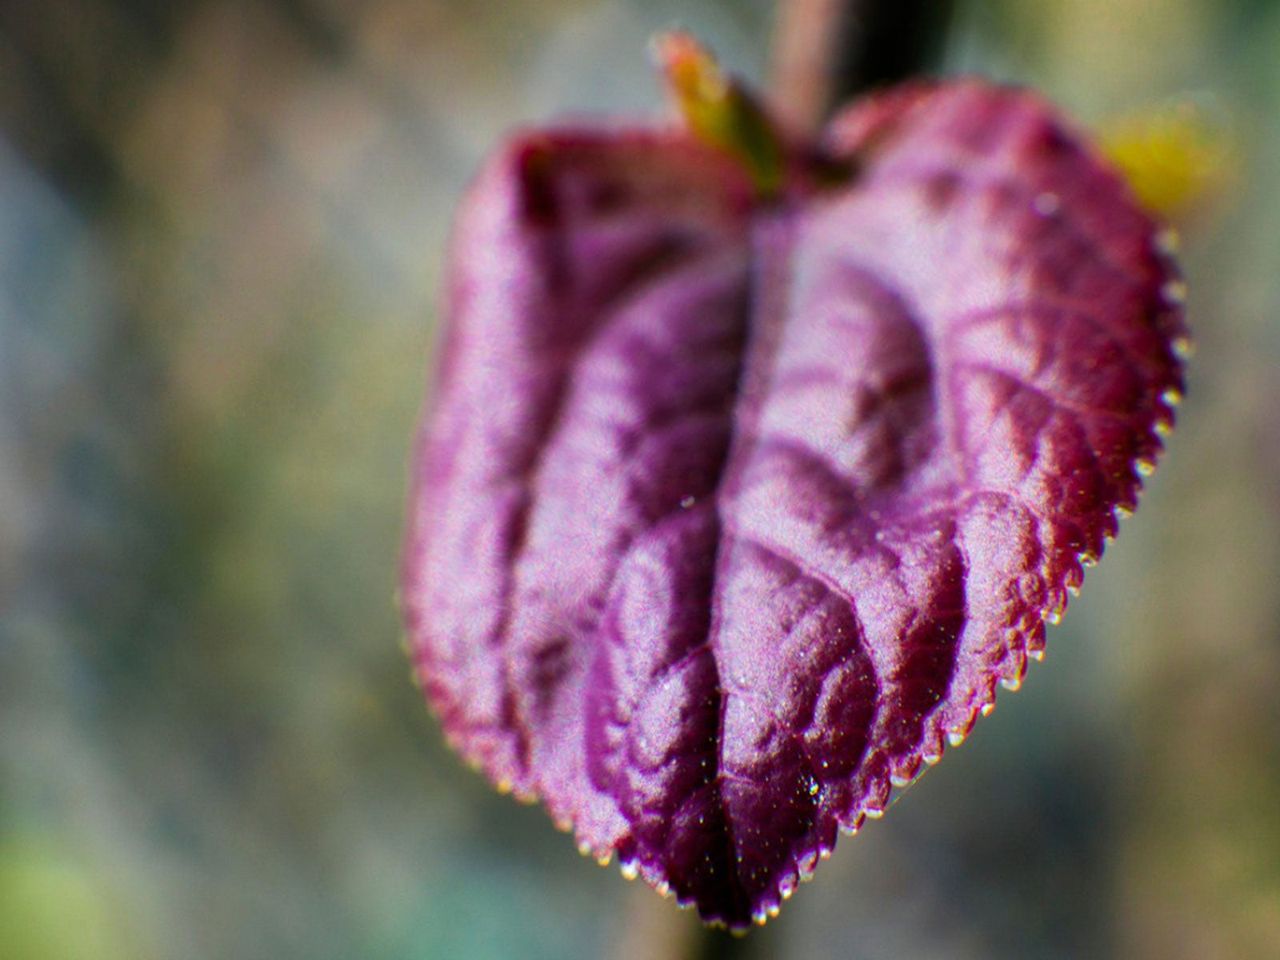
point(826, 50)
point(806, 53)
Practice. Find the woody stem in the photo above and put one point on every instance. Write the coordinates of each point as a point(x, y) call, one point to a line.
point(826, 50)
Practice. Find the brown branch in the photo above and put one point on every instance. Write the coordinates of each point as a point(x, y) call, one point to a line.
point(826, 50)
point(807, 57)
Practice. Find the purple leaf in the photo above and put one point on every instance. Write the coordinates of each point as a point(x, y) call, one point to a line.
point(727, 513)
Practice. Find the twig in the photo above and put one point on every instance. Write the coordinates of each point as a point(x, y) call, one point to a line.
point(826, 50)
point(808, 35)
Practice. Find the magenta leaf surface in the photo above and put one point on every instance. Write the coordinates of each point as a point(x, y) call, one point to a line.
point(727, 514)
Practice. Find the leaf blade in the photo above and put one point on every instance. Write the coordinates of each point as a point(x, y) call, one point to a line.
point(729, 514)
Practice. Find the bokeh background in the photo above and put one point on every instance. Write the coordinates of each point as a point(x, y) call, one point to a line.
point(221, 225)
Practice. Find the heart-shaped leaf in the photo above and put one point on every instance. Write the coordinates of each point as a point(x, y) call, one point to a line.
point(729, 511)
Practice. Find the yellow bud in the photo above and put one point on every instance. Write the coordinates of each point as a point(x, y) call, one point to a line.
point(1174, 156)
point(718, 110)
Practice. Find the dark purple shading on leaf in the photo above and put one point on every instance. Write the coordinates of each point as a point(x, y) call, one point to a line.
point(727, 515)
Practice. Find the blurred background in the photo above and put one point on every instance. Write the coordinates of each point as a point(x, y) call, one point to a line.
point(221, 225)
